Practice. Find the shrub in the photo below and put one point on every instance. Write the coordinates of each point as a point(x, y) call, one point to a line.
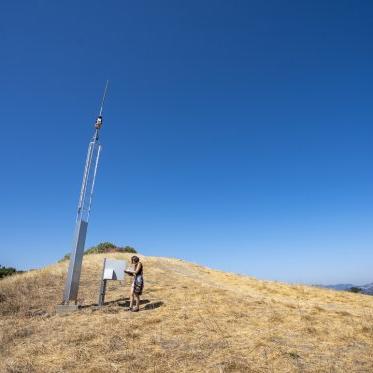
point(8, 271)
point(66, 257)
point(104, 247)
point(128, 249)
point(355, 289)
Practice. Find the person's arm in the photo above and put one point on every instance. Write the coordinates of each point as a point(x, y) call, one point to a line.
point(138, 269)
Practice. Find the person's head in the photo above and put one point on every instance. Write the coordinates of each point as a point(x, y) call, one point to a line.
point(135, 259)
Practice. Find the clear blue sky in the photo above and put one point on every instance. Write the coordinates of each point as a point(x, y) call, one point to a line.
point(237, 134)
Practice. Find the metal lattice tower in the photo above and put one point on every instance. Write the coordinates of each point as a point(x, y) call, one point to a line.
point(84, 207)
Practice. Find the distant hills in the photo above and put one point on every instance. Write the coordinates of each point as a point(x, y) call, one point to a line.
point(363, 289)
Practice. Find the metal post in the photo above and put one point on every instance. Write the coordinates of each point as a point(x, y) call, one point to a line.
point(101, 296)
point(84, 207)
point(73, 275)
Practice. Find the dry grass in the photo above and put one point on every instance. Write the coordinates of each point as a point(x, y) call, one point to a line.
point(194, 319)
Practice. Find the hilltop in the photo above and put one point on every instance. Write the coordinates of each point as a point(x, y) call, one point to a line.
point(105, 247)
point(192, 319)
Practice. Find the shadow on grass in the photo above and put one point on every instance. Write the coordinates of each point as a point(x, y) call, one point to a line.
point(152, 306)
point(125, 303)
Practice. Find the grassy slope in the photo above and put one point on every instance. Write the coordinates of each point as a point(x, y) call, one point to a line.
point(195, 319)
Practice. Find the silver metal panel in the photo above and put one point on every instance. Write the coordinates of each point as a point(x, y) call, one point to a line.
point(109, 274)
point(114, 269)
point(75, 266)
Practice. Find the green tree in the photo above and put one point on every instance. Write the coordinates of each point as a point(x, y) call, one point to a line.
point(128, 249)
point(104, 247)
point(355, 289)
point(7, 271)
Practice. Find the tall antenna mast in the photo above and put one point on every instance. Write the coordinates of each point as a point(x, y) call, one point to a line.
point(103, 98)
point(84, 207)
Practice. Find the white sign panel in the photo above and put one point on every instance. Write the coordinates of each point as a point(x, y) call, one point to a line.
point(114, 269)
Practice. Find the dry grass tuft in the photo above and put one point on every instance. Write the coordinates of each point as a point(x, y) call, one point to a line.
point(191, 319)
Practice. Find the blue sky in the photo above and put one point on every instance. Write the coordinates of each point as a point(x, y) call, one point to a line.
point(236, 134)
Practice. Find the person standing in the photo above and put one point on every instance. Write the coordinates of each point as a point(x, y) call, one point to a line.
point(137, 283)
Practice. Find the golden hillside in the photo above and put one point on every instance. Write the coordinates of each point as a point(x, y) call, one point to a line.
point(192, 319)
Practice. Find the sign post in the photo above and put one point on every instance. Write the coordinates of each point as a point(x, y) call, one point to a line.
point(112, 270)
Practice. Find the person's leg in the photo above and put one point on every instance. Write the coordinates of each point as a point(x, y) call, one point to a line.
point(137, 298)
point(131, 298)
